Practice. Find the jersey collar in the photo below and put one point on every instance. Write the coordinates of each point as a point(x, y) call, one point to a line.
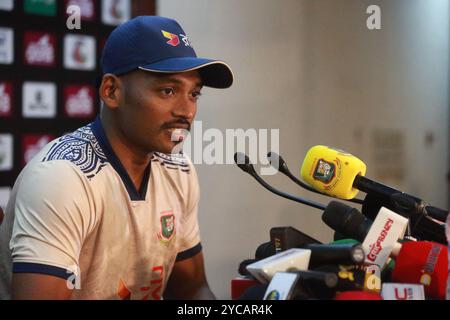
point(135, 195)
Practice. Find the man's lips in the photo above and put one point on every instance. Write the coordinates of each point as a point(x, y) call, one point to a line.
point(185, 126)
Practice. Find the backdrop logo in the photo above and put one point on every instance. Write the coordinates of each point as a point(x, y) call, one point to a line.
point(40, 7)
point(32, 144)
point(40, 49)
point(6, 46)
point(173, 38)
point(6, 90)
point(7, 5)
point(39, 99)
point(79, 100)
point(115, 12)
point(79, 52)
point(6, 152)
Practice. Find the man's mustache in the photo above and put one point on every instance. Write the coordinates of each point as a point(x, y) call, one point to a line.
point(179, 124)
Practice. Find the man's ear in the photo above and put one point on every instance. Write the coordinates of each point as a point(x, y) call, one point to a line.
point(111, 90)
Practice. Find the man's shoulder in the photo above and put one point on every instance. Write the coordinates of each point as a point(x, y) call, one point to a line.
point(79, 148)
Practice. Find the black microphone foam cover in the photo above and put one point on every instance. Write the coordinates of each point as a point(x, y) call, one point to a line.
point(346, 220)
point(265, 250)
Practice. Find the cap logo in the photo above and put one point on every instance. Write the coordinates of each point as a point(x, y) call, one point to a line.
point(173, 38)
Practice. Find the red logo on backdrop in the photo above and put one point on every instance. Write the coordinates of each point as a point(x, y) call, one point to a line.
point(79, 101)
point(6, 103)
point(32, 144)
point(87, 8)
point(40, 49)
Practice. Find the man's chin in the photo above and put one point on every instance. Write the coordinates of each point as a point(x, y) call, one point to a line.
point(172, 148)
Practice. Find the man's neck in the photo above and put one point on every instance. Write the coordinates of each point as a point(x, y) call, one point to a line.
point(134, 160)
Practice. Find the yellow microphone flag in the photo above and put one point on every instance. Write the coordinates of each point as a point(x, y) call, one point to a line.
point(332, 171)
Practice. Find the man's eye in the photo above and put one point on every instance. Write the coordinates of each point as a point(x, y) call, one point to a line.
point(168, 91)
point(196, 94)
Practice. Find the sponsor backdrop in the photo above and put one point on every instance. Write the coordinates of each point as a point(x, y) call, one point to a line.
point(48, 72)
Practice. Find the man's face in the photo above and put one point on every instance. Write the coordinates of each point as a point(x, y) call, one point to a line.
point(156, 107)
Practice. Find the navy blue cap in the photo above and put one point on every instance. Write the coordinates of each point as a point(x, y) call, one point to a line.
point(159, 44)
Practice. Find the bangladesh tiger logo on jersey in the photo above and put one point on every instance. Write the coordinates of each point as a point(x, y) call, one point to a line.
point(167, 230)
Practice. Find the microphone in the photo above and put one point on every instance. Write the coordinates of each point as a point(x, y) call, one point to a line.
point(355, 277)
point(402, 291)
point(357, 224)
point(423, 262)
point(282, 286)
point(301, 285)
point(379, 238)
point(322, 254)
point(346, 220)
point(315, 285)
point(342, 252)
point(242, 269)
point(279, 164)
point(288, 237)
point(289, 260)
point(283, 238)
point(340, 175)
point(423, 227)
point(243, 162)
point(265, 250)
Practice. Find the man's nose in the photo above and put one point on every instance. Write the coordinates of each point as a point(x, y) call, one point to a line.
point(185, 108)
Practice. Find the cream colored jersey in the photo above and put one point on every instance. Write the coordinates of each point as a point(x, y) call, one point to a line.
point(74, 213)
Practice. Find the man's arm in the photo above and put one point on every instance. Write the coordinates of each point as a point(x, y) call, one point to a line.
point(188, 280)
point(34, 286)
point(51, 223)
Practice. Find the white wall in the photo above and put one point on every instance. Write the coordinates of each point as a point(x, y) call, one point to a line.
point(395, 78)
point(312, 69)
